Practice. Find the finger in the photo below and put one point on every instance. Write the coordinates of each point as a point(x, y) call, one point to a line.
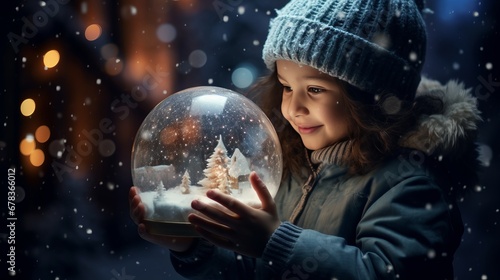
point(213, 213)
point(137, 215)
point(133, 202)
point(132, 194)
point(137, 210)
point(262, 192)
point(229, 202)
point(211, 227)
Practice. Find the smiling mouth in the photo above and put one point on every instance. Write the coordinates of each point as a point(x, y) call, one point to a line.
point(308, 130)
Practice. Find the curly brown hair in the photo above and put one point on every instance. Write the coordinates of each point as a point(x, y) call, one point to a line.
point(375, 125)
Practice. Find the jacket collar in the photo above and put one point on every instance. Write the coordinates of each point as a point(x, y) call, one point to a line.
point(334, 154)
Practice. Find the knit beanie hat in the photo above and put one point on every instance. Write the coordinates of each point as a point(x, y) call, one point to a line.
point(377, 46)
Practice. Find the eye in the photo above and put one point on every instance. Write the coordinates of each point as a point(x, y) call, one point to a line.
point(315, 90)
point(286, 88)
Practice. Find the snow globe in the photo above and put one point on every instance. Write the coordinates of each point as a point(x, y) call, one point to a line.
point(198, 139)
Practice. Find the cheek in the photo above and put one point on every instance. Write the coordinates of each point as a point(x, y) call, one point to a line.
point(339, 112)
point(339, 123)
point(334, 117)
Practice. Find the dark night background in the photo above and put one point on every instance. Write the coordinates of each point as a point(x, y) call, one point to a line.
point(72, 217)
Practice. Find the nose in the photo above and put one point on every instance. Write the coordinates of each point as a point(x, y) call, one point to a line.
point(295, 105)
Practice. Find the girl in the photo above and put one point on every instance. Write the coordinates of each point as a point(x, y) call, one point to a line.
point(372, 164)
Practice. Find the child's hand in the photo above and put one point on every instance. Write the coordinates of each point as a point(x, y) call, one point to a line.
point(247, 231)
point(137, 212)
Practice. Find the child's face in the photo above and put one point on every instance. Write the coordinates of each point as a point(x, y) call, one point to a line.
point(312, 104)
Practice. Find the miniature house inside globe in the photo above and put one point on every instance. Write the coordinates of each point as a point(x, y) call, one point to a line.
point(199, 139)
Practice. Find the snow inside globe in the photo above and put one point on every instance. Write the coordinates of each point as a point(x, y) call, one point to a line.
point(198, 139)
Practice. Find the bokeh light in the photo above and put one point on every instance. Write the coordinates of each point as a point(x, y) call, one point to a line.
point(128, 11)
point(27, 145)
point(109, 51)
point(113, 66)
point(197, 58)
point(107, 147)
point(166, 33)
point(93, 32)
point(37, 157)
point(242, 77)
point(51, 58)
point(28, 107)
point(57, 148)
point(42, 134)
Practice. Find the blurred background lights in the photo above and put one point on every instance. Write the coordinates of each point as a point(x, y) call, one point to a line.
point(391, 105)
point(133, 10)
point(37, 157)
point(166, 33)
point(241, 10)
point(57, 148)
point(42, 134)
point(197, 58)
point(51, 58)
point(107, 148)
point(28, 107)
point(113, 66)
point(84, 8)
point(93, 32)
point(28, 148)
point(27, 145)
point(413, 56)
point(109, 51)
point(243, 77)
point(128, 11)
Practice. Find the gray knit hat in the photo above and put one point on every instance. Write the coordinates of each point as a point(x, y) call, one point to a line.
point(377, 46)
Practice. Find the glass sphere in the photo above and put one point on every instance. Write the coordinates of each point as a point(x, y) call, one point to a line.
point(198, 139)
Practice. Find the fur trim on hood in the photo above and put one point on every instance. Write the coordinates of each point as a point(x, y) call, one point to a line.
point(451, 130)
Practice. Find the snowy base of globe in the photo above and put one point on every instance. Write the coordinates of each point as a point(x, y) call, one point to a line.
point(166, 213)
point(173, 229)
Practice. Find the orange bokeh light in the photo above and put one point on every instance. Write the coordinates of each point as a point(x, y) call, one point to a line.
point(42, 134)
point(27, 146)
point(28, 107)
point(37, 157)
point(51, 58)
point(93, 32)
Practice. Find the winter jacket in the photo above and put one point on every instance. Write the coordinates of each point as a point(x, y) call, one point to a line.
point(398, 221)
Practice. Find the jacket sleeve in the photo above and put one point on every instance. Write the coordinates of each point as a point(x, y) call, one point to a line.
point(406, 233)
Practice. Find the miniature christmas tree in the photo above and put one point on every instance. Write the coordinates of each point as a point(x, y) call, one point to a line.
point(160, 190)
point(216, 172)
point(185, 183)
